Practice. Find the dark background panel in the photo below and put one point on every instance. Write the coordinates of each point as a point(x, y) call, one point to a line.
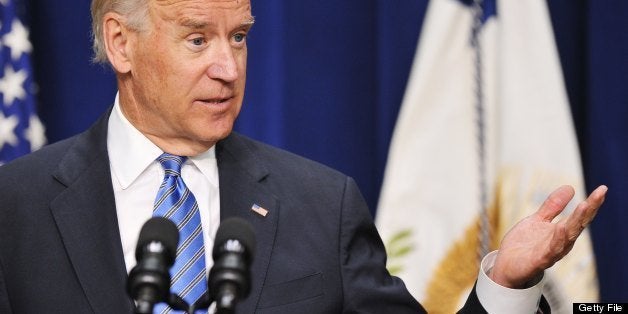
point(326, 79)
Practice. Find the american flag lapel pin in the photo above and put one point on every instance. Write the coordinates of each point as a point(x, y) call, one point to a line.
point(260, 210)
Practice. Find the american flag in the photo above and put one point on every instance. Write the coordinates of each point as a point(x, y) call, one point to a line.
point(21, 131)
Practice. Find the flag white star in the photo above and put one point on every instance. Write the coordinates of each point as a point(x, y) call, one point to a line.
point(12, 85)
point(17, 40)
point(7, 130)
point(4, 2)
point(35, 133)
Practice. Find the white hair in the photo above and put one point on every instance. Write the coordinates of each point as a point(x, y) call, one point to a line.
point(135, 13)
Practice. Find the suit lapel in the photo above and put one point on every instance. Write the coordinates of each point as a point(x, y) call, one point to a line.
point(241, 187)
point(85, 214)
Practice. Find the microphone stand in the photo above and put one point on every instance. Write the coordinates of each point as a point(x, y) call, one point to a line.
point(202, 303)
point(177, 303)
point(225, 303)
point(174, 301)
point(226, 299)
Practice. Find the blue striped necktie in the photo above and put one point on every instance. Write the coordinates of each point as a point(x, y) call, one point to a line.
point(175, 202)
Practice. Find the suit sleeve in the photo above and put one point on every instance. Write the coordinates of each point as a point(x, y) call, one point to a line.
point(367, 285)
point(473, 306)
point(5, 306)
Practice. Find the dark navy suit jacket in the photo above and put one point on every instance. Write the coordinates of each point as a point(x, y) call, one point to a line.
point(317, 248)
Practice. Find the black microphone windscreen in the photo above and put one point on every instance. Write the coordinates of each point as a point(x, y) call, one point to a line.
point(235, 228)
point(158, 229)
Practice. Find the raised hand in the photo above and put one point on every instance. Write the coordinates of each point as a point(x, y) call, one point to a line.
point(535, 243)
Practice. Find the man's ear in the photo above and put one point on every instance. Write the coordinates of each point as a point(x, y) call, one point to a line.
point(116, 41)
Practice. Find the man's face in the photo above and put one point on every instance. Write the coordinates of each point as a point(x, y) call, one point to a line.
point(188, 71)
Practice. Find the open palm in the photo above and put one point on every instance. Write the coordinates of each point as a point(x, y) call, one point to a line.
point(535, 243)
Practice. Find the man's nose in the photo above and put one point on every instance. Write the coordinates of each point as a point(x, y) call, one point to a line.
point(223, 65)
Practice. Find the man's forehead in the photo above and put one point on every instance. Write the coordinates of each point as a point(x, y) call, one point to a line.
point(172, 2)
point(199, 24)
point(242, 7)
point(194, 13)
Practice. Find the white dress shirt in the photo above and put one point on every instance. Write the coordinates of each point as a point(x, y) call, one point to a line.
point(136, 176)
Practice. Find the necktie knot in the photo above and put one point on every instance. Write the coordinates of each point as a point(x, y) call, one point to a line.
point(171, 163)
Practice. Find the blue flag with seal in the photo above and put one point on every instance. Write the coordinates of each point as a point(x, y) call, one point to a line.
point(21, 131)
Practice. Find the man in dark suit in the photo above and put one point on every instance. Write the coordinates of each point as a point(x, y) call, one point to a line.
point(71, 212)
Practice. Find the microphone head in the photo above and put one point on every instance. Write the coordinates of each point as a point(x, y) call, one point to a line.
point(235, 228)
point(159, 229)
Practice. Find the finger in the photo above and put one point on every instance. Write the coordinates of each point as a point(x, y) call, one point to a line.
point(585, 212)
point(559, 245)
point(555, 203)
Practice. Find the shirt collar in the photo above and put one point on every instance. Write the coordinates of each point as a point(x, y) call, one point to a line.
point(130, 152)
point(208, 165)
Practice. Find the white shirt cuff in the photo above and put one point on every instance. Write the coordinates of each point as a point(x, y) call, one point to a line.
point(499, 299)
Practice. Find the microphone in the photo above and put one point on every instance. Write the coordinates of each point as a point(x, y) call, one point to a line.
point(149, 280)
point(230, 277)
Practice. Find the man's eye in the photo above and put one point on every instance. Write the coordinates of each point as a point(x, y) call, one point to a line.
point(239, 37)
point(198, 41)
